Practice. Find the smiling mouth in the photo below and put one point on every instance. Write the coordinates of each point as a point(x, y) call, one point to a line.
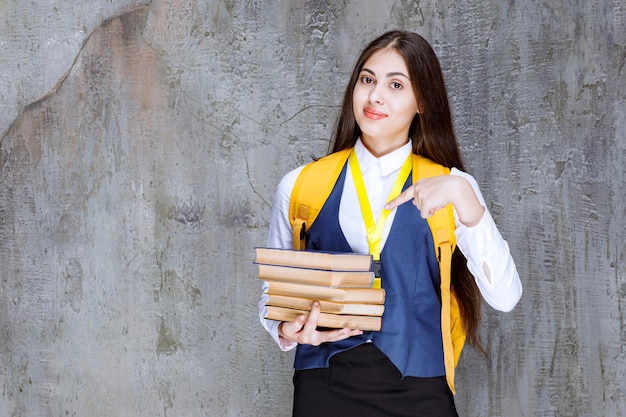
point(373, 114)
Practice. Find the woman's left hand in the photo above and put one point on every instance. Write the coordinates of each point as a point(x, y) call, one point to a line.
point(432, 194)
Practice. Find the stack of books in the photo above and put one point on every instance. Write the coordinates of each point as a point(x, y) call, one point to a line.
point(341, 282)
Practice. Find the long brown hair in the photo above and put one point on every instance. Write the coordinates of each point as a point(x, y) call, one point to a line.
point(432, 134)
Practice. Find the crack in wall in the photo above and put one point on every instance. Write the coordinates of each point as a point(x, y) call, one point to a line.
point(64, 77)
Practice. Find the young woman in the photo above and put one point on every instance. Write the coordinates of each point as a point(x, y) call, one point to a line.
point(395, 104)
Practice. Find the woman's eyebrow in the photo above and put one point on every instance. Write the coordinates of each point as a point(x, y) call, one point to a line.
point(389, 74)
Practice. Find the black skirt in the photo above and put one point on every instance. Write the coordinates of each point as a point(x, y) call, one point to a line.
point(362, 382)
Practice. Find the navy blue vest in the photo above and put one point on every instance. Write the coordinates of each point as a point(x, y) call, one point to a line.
point(411, 324)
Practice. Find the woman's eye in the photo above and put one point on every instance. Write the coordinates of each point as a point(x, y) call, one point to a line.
point(396, 85)
point(366, 80)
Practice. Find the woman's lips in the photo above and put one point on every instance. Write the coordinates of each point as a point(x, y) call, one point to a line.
point(373, 114)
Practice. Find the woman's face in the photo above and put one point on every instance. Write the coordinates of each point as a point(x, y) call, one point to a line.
point(383, 102)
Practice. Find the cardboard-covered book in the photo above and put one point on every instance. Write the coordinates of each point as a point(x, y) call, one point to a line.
point(330, 261)
point(302, 303)
point(335, 294)
point(316, 276)
point(338, 321)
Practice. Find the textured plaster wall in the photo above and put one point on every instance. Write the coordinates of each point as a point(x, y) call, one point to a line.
point(140, 145)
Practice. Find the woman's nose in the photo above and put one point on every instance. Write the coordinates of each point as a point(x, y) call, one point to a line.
point(375, 95)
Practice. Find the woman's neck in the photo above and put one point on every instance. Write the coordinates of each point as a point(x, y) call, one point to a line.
point(378, 147)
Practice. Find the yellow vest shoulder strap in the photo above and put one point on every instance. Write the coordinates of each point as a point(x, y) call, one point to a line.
point(442, 227)
point(313, 186)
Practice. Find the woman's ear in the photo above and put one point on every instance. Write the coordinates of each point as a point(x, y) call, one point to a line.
point(420, 104)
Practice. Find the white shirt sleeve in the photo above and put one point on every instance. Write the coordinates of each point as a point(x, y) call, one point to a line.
point(280, 236)
point(486, 250)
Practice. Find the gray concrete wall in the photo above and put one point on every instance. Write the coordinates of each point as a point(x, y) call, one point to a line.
point(139, 150)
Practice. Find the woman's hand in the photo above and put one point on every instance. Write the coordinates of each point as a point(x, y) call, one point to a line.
point(432, 194)
point(303, 330)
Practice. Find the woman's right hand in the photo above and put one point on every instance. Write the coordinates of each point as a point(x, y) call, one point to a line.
point(303, 330)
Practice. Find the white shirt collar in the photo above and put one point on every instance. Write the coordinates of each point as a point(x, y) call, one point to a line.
point(388, 163)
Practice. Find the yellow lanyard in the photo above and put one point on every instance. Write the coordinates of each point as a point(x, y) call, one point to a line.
point(375, 230)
